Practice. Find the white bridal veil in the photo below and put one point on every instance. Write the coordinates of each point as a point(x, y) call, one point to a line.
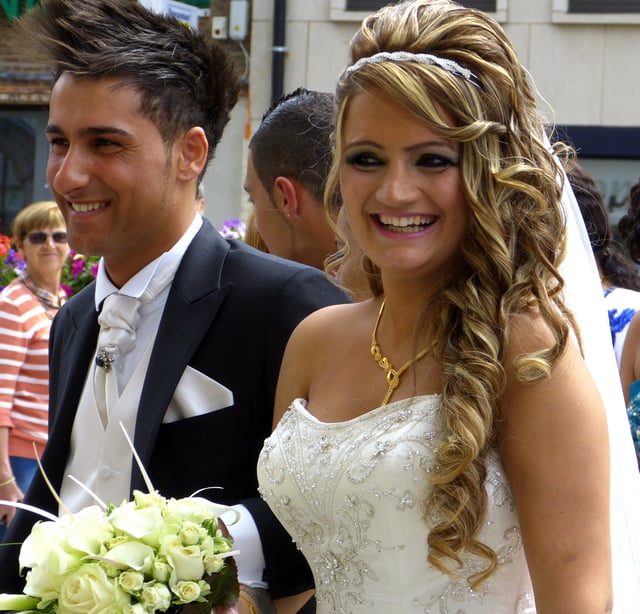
point(585, 298)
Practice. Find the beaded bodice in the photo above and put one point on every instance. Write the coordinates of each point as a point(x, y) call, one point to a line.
point(351, 495)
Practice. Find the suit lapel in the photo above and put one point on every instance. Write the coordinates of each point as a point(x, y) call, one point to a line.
point(193, 302)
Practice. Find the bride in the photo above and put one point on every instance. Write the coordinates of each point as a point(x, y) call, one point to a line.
point(445, 446)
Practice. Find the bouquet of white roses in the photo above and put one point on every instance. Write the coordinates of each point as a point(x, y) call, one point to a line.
point(151, 554)
point(148, 555)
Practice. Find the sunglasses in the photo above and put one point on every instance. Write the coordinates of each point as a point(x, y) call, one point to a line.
point(39, 237)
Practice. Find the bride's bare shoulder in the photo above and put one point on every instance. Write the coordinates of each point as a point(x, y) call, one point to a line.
point(333, 321)
point(319, 346)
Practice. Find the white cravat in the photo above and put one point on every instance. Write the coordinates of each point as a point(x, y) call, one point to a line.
point(129, 320)
point(118, 320)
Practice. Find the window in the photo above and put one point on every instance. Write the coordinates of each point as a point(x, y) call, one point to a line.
point(23, 158)
point(600, 12)
point(356, 10)
point(608, 6)
point(372, 5)
point(611, 154)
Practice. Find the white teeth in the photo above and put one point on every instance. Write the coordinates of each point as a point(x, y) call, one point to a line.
point(407, 224)
point(85, 207)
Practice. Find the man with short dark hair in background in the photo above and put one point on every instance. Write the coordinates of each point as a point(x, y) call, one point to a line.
point(287, 167)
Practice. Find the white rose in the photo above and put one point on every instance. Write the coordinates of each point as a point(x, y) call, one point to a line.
point(88, 590)
point(186, 560)
point(131, 581)
point(186, 591)
point(161, 571)
point(213, 564)
point(192, 533)
point(149, 499)
point(156, 597)
point(222, 544)
point(207, 545)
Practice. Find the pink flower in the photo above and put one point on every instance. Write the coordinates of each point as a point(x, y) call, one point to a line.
point(77, 266)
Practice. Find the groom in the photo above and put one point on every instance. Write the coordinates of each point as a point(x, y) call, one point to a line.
point(138, 105)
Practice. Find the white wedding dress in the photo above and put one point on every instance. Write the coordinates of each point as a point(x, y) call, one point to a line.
point(350, 492)
point(351, 495)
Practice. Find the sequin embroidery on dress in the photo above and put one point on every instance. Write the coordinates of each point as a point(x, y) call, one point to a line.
point(351, 495)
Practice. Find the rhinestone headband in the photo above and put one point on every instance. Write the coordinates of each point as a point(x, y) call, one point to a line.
point(421, 58)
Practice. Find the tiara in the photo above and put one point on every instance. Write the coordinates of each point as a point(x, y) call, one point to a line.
point(421, 58)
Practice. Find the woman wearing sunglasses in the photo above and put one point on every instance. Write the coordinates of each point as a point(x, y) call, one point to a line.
point(27, 306)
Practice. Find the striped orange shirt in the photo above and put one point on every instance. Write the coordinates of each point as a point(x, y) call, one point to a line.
point(24, 369)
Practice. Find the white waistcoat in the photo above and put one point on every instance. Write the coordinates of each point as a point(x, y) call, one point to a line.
point(105, 467)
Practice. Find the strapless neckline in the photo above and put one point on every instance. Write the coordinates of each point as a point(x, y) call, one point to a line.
point(300, 405)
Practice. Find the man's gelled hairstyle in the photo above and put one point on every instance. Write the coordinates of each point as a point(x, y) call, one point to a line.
point(294, 140)
point(184, 79)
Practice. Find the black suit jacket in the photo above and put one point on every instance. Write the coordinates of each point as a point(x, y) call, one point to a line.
point(229, 314)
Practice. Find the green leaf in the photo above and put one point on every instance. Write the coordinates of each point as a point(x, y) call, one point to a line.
point(224, 585)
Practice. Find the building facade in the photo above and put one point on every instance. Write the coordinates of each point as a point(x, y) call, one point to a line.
point(580, 54)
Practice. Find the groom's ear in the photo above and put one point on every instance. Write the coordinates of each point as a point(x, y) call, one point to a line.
point(192, 153)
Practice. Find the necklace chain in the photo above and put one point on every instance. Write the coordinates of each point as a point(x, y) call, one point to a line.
point(393, 375)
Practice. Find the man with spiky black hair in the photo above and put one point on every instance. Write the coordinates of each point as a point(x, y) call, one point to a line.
point(138, 105)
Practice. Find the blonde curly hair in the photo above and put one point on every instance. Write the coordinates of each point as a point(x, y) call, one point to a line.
point(509, 261)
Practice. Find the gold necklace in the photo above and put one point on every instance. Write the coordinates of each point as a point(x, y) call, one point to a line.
point(393, 375)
